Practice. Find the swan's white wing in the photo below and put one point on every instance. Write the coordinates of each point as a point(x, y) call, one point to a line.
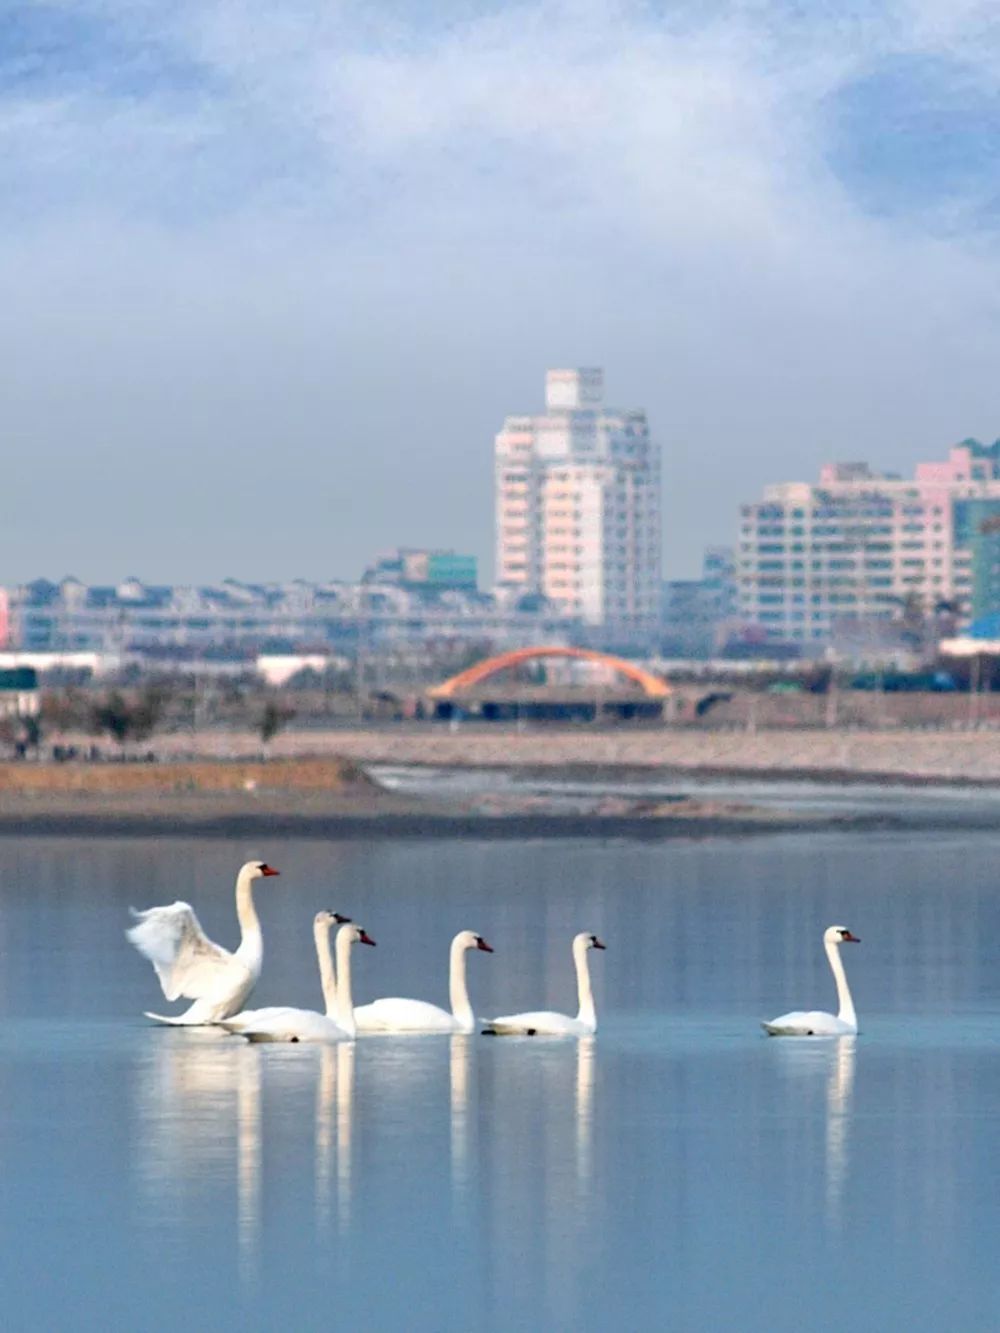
point(185, 959)
point(395, 1015)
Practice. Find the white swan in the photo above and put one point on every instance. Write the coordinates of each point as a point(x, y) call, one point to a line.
point(279, 1014)
point(546, 1024)
point(816, 1023)
point(417, 1016)
point(287, 1024)
point(189, 964)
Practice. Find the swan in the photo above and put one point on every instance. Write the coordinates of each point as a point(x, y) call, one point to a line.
point(816, 1023)
point(322, 922)
point(417, 1016)
point(546, 1024)
point(287, 1024)
point(188, 963)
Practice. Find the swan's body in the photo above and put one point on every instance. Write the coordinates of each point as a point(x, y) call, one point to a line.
point(415, 1017)
point(284, 1016)
point(545, 1023)
point(189, 964)
point(815, 1023)
point(287, 1024)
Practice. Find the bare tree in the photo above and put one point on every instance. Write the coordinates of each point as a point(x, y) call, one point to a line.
point(272, 719)
point(122, 718)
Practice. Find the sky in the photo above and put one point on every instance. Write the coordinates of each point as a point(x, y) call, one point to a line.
point(273, 273)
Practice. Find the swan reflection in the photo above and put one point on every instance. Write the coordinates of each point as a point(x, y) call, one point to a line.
point(198, 1102)
point(825, 1067)
point(334, 1166)
point(459, 1067)
point(248, 1154)
point(326, 1083)
point(584, 1112)
point(839, 1091)
point(345, 1120)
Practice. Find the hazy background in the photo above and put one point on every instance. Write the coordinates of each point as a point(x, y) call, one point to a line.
point(272, 274)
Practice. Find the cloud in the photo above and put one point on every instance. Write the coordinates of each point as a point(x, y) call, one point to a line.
point(310, 254)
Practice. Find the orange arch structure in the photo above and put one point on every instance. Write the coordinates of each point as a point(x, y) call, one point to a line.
point(652, 686)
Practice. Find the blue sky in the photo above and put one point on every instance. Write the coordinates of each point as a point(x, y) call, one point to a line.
point(273, 274)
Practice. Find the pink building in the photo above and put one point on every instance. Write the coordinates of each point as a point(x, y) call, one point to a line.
point(858, 543)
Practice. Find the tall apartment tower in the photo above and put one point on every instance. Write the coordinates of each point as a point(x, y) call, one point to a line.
point(578, 506)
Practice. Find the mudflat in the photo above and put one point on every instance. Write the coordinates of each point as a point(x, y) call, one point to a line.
point(335, 797)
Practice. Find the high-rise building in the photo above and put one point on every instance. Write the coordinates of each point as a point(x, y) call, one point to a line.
point(861, 545)
point(578, 506)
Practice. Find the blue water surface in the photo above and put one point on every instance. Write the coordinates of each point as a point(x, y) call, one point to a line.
point(679, 1171)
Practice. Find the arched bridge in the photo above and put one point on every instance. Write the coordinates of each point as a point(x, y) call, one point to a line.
point(454, 689)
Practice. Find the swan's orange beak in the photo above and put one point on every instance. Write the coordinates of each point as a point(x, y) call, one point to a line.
point(850, 939)
point(365, 938)
point(269, 870)
point(481, 944)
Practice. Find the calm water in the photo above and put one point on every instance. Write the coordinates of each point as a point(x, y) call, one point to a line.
point(679, 1172)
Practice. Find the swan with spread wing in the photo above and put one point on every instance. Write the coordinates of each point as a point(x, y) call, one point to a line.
point(192, 966)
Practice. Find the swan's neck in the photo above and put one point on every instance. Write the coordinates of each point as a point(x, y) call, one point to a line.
point(345, 1001)
point(327, 977)
point(587, 1014)
point(251, 940)
point(458, 990)
point(846, 1014)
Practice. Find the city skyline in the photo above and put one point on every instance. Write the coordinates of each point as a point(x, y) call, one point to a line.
point(257, 265)
point(374, 560)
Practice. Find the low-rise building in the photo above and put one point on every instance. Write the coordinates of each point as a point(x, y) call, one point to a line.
point(235, 621)
point(424, 571)
point(698, 614)
point(18, 692)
